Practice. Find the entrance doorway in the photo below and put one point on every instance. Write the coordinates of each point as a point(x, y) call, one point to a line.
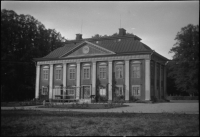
point(86, 92)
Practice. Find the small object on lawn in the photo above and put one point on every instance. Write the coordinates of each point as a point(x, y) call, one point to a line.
point(43, 102)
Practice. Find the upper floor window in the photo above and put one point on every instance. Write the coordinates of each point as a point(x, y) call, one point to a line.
point(86, 73)
point(136, 71)
point(102, 72)
point(136, 90)
point(45, 74)
point(119, 71)
point(58, 73)
point(71, 73)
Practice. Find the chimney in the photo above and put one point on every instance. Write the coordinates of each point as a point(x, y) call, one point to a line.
point(122, 31)
point(78, 36)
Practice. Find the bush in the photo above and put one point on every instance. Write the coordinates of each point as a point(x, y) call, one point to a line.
point(133, 99)
point(182, 98)
point(103, 98)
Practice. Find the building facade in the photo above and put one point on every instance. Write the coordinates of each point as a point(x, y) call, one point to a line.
point(116, 67)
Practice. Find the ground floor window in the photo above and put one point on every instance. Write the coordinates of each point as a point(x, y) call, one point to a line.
point(102, 91)
point(136, 91)
point(119, 90)
point(44, 90)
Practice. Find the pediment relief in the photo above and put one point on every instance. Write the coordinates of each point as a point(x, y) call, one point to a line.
point(87, 49)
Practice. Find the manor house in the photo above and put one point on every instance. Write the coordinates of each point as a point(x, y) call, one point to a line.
point(109, 67)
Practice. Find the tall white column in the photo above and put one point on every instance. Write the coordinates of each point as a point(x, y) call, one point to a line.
point(127, 80)
point(110, 80)
point(78, 80)
point(147, 79)
point(155, 80)
point(165, 82)
point(64, 76)
point(93, 78)
point(160, 88)
point(51, 82)
point(37, 81)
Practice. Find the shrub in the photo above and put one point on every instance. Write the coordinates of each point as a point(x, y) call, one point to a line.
point(103, 98)
point(182, 98)
point(133, 99)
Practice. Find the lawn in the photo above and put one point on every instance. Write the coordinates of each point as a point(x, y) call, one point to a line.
point(44, 123)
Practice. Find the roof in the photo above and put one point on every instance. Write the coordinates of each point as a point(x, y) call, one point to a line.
point(125, 45)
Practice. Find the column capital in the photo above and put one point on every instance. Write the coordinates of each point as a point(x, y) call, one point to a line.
point(94, 62)
point(110, 61)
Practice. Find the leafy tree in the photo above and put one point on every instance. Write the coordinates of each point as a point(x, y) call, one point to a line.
point(185, 64)
point(22, 39)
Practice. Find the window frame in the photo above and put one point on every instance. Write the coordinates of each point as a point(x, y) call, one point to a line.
point(135, 71)
point(116, 71)
point(102, 72)
point(132, 91)
point(122, 87)
point(100, 91)
point(58, 75)
point(44, 92)
point(72, 68)
point(45, 75)
point(85, 68)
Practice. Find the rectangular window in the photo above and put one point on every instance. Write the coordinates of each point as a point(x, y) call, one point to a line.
point(102, 91)
point(102, 72)
point(119, 71)
point(119, 90)
point(70, 91)
point(136, 71)
point(58, 74)
point(71, 73)
point(45, 74)
point(136, 90)
point(44, 91)
point(86, 73)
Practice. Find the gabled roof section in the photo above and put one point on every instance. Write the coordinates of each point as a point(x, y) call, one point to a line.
point(95, 50)
point(109, 45)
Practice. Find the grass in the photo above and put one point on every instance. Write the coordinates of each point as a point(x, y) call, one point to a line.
point(44, 123)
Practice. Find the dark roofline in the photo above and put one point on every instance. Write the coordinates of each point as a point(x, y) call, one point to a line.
point(161, 56)
point(104, 38)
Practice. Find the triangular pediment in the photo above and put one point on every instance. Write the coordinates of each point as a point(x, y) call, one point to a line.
point(87, 49)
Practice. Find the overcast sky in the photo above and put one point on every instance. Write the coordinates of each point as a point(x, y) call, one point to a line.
point(156, 23)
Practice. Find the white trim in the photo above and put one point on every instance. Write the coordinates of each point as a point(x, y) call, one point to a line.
point(127, 77)
point(146, 56)
point(86, 64)
point(72, 65)
point(110, 80)
point(120, 63)
point(147, 80)
point(136, 62)
point(59, 66)
point(45, 67)
point(37, 83)
point(102, 64)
